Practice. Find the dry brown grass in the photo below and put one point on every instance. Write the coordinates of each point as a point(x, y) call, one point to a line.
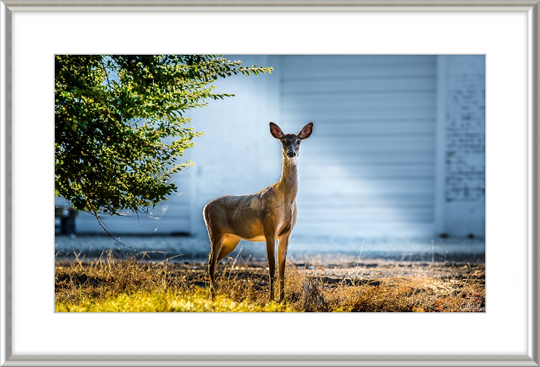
point(371, 286)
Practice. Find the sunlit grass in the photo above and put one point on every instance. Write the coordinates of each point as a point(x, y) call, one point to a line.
point(109, 285)
point(167, 302)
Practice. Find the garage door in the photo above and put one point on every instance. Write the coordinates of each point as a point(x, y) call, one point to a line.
point(369, 167)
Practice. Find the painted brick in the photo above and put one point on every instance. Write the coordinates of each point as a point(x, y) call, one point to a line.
point(465, 130)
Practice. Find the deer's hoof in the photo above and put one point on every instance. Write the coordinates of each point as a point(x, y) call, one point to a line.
point(212, 293)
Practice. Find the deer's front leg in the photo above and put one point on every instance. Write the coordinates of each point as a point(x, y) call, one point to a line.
point(270, 254)
point(282, 258)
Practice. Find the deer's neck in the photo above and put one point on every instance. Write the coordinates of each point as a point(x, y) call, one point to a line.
point(288, 183)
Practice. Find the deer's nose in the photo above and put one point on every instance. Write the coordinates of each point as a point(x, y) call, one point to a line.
point(291, 153)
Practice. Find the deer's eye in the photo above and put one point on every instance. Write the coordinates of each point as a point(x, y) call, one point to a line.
point(298, 141)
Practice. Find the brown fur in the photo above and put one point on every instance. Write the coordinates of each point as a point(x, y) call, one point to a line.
point(265, 216)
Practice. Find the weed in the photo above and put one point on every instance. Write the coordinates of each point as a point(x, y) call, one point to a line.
point(111, 285)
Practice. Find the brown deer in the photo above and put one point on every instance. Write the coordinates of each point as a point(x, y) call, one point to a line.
point(265, 216)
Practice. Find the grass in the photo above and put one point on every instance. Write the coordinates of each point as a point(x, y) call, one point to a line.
point(110, 285)
point(168, 301)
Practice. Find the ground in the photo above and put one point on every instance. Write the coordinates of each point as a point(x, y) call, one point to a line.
point(301, 247)
point(384, 276)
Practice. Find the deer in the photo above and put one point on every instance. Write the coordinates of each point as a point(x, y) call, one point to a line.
point(265, 216)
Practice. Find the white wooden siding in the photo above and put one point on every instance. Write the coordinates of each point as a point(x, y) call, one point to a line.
point(369, 167)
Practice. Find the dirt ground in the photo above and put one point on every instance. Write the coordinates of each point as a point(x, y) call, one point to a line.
point(326, 283)
point(335, 269)
point(330, 271)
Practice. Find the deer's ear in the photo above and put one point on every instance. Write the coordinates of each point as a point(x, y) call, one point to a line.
point(306, 131)
point(275, 131)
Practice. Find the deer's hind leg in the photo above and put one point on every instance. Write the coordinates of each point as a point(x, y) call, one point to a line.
point(216, 239)
point(229, 244)
point(215, 249)
point(221, 247)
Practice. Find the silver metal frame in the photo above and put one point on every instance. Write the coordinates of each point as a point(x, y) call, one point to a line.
point(532, 7)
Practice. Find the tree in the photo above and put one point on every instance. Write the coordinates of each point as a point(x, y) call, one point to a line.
point(112, 114)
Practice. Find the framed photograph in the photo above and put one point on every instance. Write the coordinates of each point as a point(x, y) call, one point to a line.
point(375, 50)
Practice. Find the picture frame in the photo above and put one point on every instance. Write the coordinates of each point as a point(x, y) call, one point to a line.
point(530, 358)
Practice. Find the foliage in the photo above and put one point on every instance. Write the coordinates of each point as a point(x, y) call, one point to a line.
point(113, 118)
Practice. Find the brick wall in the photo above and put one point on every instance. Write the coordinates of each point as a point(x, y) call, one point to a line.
point(465, 139)
point(465, 144)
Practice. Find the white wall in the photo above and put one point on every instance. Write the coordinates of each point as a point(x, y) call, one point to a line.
point(237, 155)
point(369, 168)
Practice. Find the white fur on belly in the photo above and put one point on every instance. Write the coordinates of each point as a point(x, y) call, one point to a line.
point(256, 239)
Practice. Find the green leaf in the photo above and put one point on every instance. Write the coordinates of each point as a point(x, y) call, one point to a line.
point(112, 113)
